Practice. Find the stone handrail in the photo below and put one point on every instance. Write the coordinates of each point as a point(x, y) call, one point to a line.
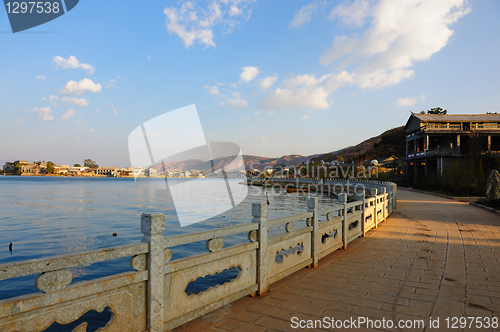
point(54, 263)
point(153, 297)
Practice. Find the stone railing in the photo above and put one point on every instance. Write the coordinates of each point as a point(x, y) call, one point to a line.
point(153, 297)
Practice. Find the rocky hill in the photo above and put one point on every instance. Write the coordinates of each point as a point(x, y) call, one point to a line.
point(391, 142)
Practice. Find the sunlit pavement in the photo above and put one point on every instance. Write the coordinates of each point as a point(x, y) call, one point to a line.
point(434, 257)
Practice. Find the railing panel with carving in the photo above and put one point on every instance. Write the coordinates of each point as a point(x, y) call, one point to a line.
point(182, 307)
point(353, 223)
point(330, 236)
point(123, 295)
point(289, 255)
point(369, 213)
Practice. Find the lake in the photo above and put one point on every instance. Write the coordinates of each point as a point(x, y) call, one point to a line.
point(45, 216)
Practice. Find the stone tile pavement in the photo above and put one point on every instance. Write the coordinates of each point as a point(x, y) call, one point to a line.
point(434, 257)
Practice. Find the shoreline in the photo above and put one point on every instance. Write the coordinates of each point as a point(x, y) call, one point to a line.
point(99, 176)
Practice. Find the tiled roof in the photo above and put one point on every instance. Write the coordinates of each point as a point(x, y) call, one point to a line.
point(457, 117)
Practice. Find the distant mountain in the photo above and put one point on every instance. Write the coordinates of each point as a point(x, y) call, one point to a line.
point(251, 162)
point(289, 160)
point(390, 142)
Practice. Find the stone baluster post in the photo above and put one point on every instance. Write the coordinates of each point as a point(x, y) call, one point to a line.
point(384, 205)
point(152, 226)
point(343, 200)
point(312, 206)
point(361, 197)
point(374, 194)
point(259, 214)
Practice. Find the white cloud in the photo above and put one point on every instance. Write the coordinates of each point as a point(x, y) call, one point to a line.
point(73, 63)
point(77, 138)
point(352, 14)
point(257, 113)
point(78, 88)
point(111, 83)
point(75, 101)
point(192, 23)
point(149, 57)
point(1, 124)
point(213, 90)
point(245, 119)
point(409, 101)
point(18, 121)
point(249, 73)
point(301, 91)
point(303, 15)
point(406, 102)
point(401, 33)
point(45, 113)
point(113, 108)
point(382, 54)
point(68, 114)
point(97, 110)
point(237, 102)
point(263, 139)
point(305, 117)
point(267, 82)
point(87, 129)
point(40, 78)
point(53, 100)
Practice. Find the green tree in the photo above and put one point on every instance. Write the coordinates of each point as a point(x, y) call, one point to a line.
point(50, 167)
point(90, 163)
point(437, 110)
point(77, 165)
point(17, 169)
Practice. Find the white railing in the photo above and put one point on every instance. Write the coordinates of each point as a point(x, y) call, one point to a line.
point(153, 297)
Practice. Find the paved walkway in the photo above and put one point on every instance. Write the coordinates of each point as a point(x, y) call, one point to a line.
point(433, 257)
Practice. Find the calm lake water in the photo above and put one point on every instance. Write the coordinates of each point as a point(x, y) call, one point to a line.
point(45, 216)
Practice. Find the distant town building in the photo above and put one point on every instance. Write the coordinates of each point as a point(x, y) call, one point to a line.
point(23, 165)
point(106, 171)
point(150, 171)
point(32, 169)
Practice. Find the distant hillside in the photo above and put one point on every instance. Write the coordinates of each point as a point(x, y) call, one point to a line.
point(271, 162)
point(251, 162)
point(391, 142)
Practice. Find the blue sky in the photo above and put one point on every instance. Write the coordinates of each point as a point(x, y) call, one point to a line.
point(275, 77)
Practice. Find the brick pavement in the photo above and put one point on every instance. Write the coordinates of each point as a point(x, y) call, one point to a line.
point(434, 257)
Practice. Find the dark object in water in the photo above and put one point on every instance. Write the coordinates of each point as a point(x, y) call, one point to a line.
point(115, 235)
point(294, 190)
point(10, 248)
